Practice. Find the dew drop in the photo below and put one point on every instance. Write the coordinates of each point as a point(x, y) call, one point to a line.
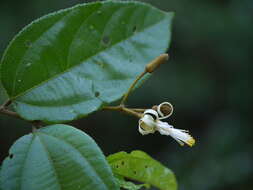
point(99, 12)
point(19, 80)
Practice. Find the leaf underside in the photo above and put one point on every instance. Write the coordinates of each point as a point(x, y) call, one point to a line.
point(72, 62)
point(139, 166)
point(57, 157)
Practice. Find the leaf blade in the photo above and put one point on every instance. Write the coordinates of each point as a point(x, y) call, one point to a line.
point(56, 157)
point(139, 166)
point(81, 58)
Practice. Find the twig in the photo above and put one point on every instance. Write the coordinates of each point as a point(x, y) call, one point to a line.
point(139, 110)
point(5, 111)
point(123, 109)
point(131, 87)
point(5, 104)
point(150, 68)
point(131, 112)
point(9, 113)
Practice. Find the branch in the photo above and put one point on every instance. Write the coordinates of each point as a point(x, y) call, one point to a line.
point(9, 113)
point(132, 87)
point(5, 104)
point(123, 109)
point(5, 111)
point(139, 110)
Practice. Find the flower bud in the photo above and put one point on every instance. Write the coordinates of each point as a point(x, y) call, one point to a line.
point(147, 123)
point(153, 65)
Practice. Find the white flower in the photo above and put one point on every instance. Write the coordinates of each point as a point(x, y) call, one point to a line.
point(147, 124)
point(180, 135)
point(150, 122)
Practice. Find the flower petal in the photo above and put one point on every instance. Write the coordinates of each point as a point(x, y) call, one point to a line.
point(147, 125)
point(181, 136)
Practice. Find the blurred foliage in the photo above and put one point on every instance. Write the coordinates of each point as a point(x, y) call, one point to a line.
point(208, 80)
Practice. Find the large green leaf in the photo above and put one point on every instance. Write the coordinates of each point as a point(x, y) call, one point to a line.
point(139, 166)
point(70, 63)
point(57, 157)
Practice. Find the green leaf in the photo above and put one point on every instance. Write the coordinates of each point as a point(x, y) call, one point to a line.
point(130, 185)
point(57, 157)
point(139, 166)
point(72, 62)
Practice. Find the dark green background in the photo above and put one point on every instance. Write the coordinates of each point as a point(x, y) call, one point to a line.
point(208, 80)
